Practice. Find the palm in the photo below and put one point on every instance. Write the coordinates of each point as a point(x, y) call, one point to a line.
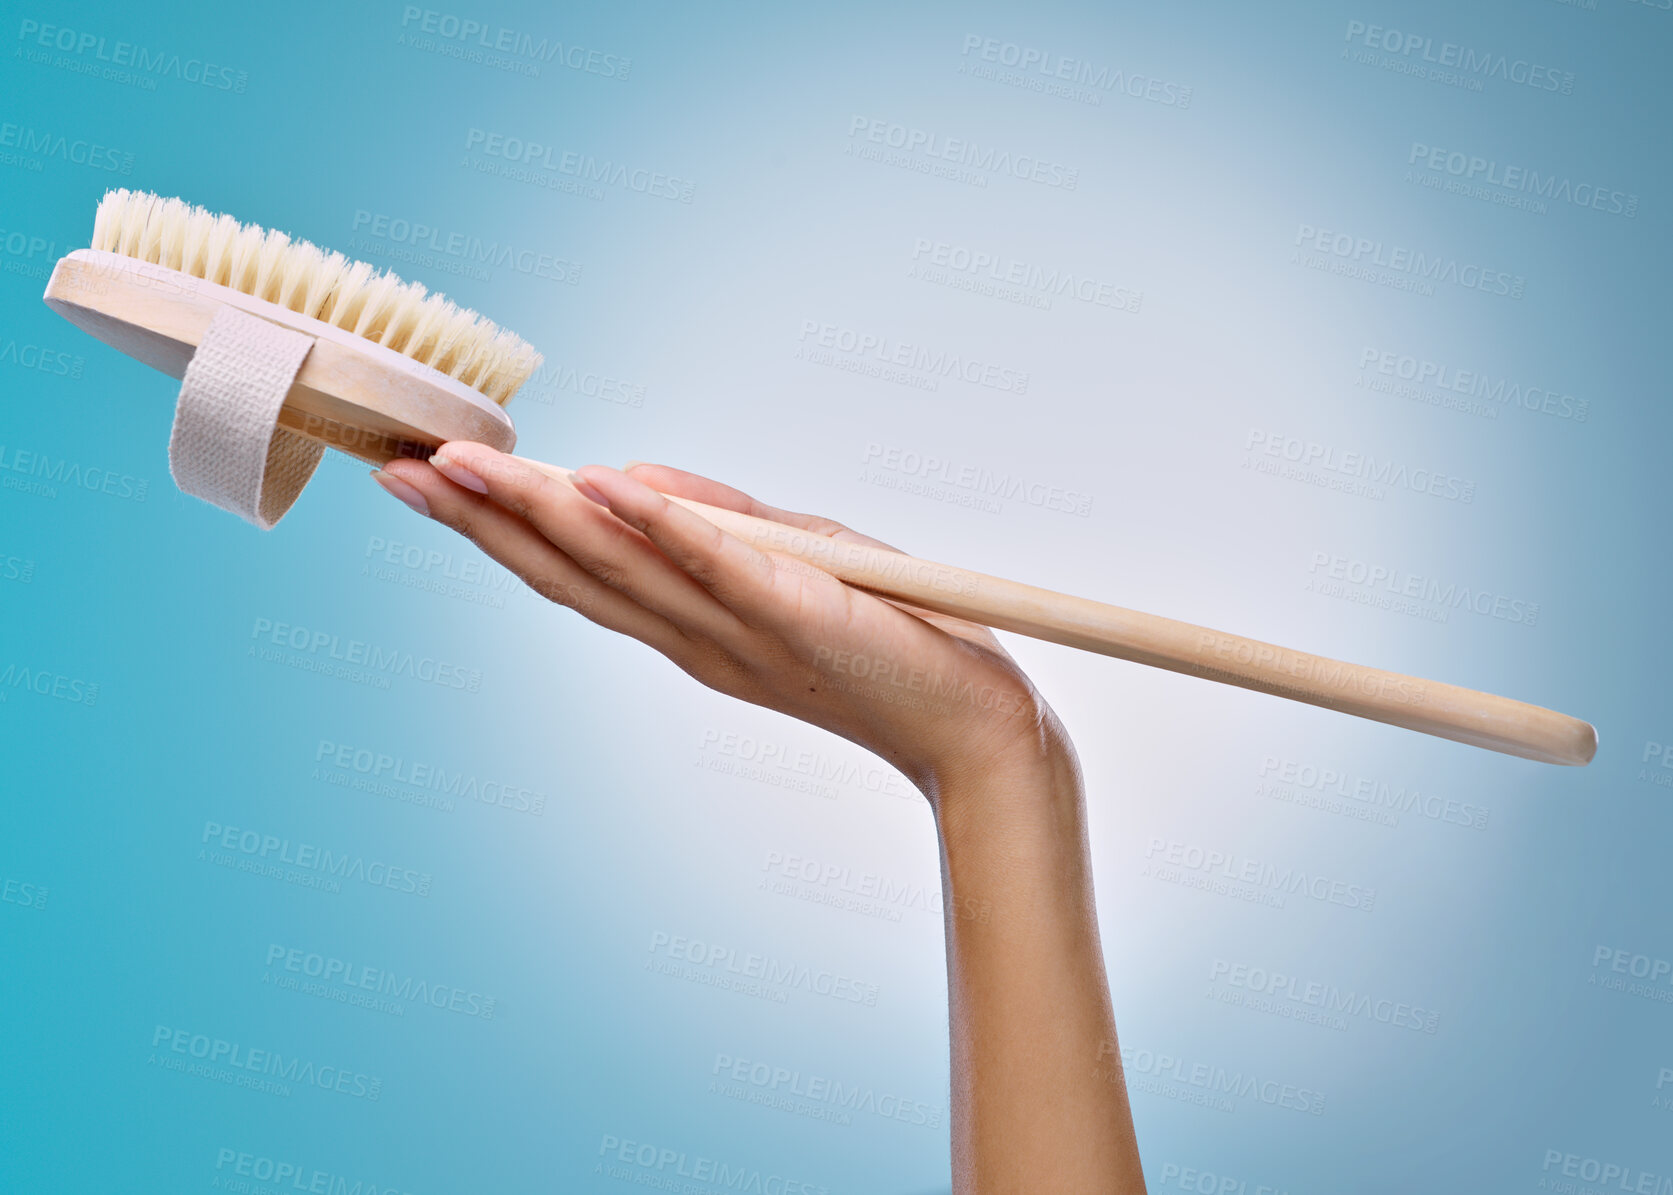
point(935, 695)
point(912, 684)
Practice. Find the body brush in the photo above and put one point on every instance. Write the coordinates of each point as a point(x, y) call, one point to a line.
point(392, 370)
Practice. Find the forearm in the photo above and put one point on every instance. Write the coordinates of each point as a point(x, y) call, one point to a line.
point(1039, 1103)
point(1034, 1108)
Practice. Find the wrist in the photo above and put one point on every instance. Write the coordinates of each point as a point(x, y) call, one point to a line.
point(1029, 793)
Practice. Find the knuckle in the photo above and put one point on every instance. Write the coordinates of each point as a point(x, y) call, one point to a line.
point(708, 542)
point(820, 525)
point(655, 512)
point(810, 574)
point(523, 491)
point(760, 569)
point(562, 591)
point(465, 522)
point(610, 573)
point(697, 546)
point(718, 668)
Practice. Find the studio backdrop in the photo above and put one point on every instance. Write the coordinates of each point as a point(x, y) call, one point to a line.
point(336, 859)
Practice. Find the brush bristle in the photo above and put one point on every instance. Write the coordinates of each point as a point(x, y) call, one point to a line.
point(317, 283)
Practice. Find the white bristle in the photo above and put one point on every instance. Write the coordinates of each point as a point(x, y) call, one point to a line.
point(377, 297)
point(342, 303)
point(317, 283)
point(241, 258)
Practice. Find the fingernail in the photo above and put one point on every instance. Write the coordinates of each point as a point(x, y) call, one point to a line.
point(454, 471)
point(631, 464)
point(402, 490)
point(588, 491)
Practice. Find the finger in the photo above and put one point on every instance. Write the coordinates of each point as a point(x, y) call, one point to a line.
point(703, 489)
point(669, 480)
point(740, 576)
point(604, 546)
point(541, 564)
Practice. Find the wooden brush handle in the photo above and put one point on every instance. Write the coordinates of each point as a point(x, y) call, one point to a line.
point(365, 399)
point(1448, 711)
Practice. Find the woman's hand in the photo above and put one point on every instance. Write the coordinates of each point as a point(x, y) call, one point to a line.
point(1033, 1034)
point(936, 696)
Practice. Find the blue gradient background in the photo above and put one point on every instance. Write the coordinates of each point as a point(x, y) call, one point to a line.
point(649, 826)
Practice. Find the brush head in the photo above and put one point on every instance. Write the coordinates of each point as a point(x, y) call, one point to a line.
point(318, 284)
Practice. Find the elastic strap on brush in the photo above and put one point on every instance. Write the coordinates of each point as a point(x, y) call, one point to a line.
point(227, 446)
